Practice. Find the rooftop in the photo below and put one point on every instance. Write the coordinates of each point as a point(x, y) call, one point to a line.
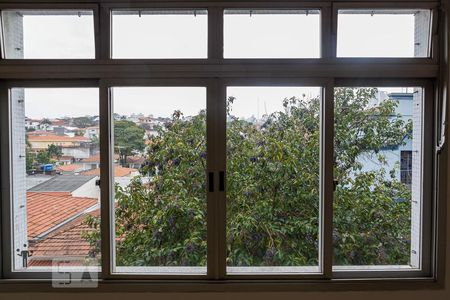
point(56, 138)
point(118, 172)
point(69, 168)
point(46, 211)
point(62, 183)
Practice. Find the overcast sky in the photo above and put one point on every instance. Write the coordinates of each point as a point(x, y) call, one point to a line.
point(160, 36)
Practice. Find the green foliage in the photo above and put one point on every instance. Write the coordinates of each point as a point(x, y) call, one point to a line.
point(54, 151)
point(45, 121)
point(370, 227)
point(273, 187)
point(43, 157)
point(128, 137)
point(83, 122)
point(273, 197)
point(30, 158)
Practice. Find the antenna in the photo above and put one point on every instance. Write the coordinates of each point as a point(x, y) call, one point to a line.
point(257, 105)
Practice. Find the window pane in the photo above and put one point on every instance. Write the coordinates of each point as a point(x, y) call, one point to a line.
point(54, 155)
point(159, 34)
point(273, 166)
point(159, 176)
point(48, 34)
point(377, 202)
point(271, 33)
point(383, 33)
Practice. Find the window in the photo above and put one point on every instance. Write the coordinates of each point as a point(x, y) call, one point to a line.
point(273, 163)
point(370, 174)
point(160, 179)
point(48, 34)
point(159, 34)
point(55, 166)
point(185, 145)
point(406, 167)
point(261, 33)
point(393, 33)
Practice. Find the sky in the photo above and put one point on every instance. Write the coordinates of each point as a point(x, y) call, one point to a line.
point(180, 36)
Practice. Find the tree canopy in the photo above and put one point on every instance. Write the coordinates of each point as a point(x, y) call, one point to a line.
point(128, 137)
point(273, 175)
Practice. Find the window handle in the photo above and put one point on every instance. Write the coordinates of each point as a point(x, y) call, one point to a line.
point(221, 181)
point(211, 182)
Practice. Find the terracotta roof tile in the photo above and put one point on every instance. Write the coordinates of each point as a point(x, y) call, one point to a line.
point(66, 241)
point(69, 168)
point(94, 158)
point(118, 172)
point(46, 210)
point(135, 159)
point(57, 138)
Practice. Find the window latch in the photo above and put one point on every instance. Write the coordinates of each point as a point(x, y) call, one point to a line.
point(221, 181)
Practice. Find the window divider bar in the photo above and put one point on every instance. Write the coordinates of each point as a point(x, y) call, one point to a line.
point(326, 32)
point(222, 198)
point(107, 221)
point(105, 33)
point(327, 179)
point(97, 33)
point(215, 33)
point(212, 196)
point(6, 182)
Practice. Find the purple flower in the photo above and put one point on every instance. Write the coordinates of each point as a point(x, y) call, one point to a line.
point(171, 220)
point(190, 248)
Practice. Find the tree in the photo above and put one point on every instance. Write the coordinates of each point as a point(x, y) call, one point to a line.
point(29, 156)
point(43, 157)
point(54, 151)
point(83, 122)
point(44, 123)
point(128, 137)
point(272, 189)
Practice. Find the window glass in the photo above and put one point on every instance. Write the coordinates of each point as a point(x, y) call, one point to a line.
point(159, 34)
point(271, 33)
point(159, 180)
point(48, 34)
point(383, 33)
point(378, 171)
point(273, 167)
point(55, 166)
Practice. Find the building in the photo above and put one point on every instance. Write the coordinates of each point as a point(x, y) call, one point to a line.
point(55, 226)
point(41, 142)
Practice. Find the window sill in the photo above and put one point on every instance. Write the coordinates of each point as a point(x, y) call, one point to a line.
point(181, 286)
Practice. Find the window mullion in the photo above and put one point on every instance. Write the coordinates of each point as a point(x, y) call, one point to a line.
point(212, 196)
point(221, 127)
point(215, 33)
point(327, 150)
point(104, 33)
point(106, 157)
point(326, 32)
